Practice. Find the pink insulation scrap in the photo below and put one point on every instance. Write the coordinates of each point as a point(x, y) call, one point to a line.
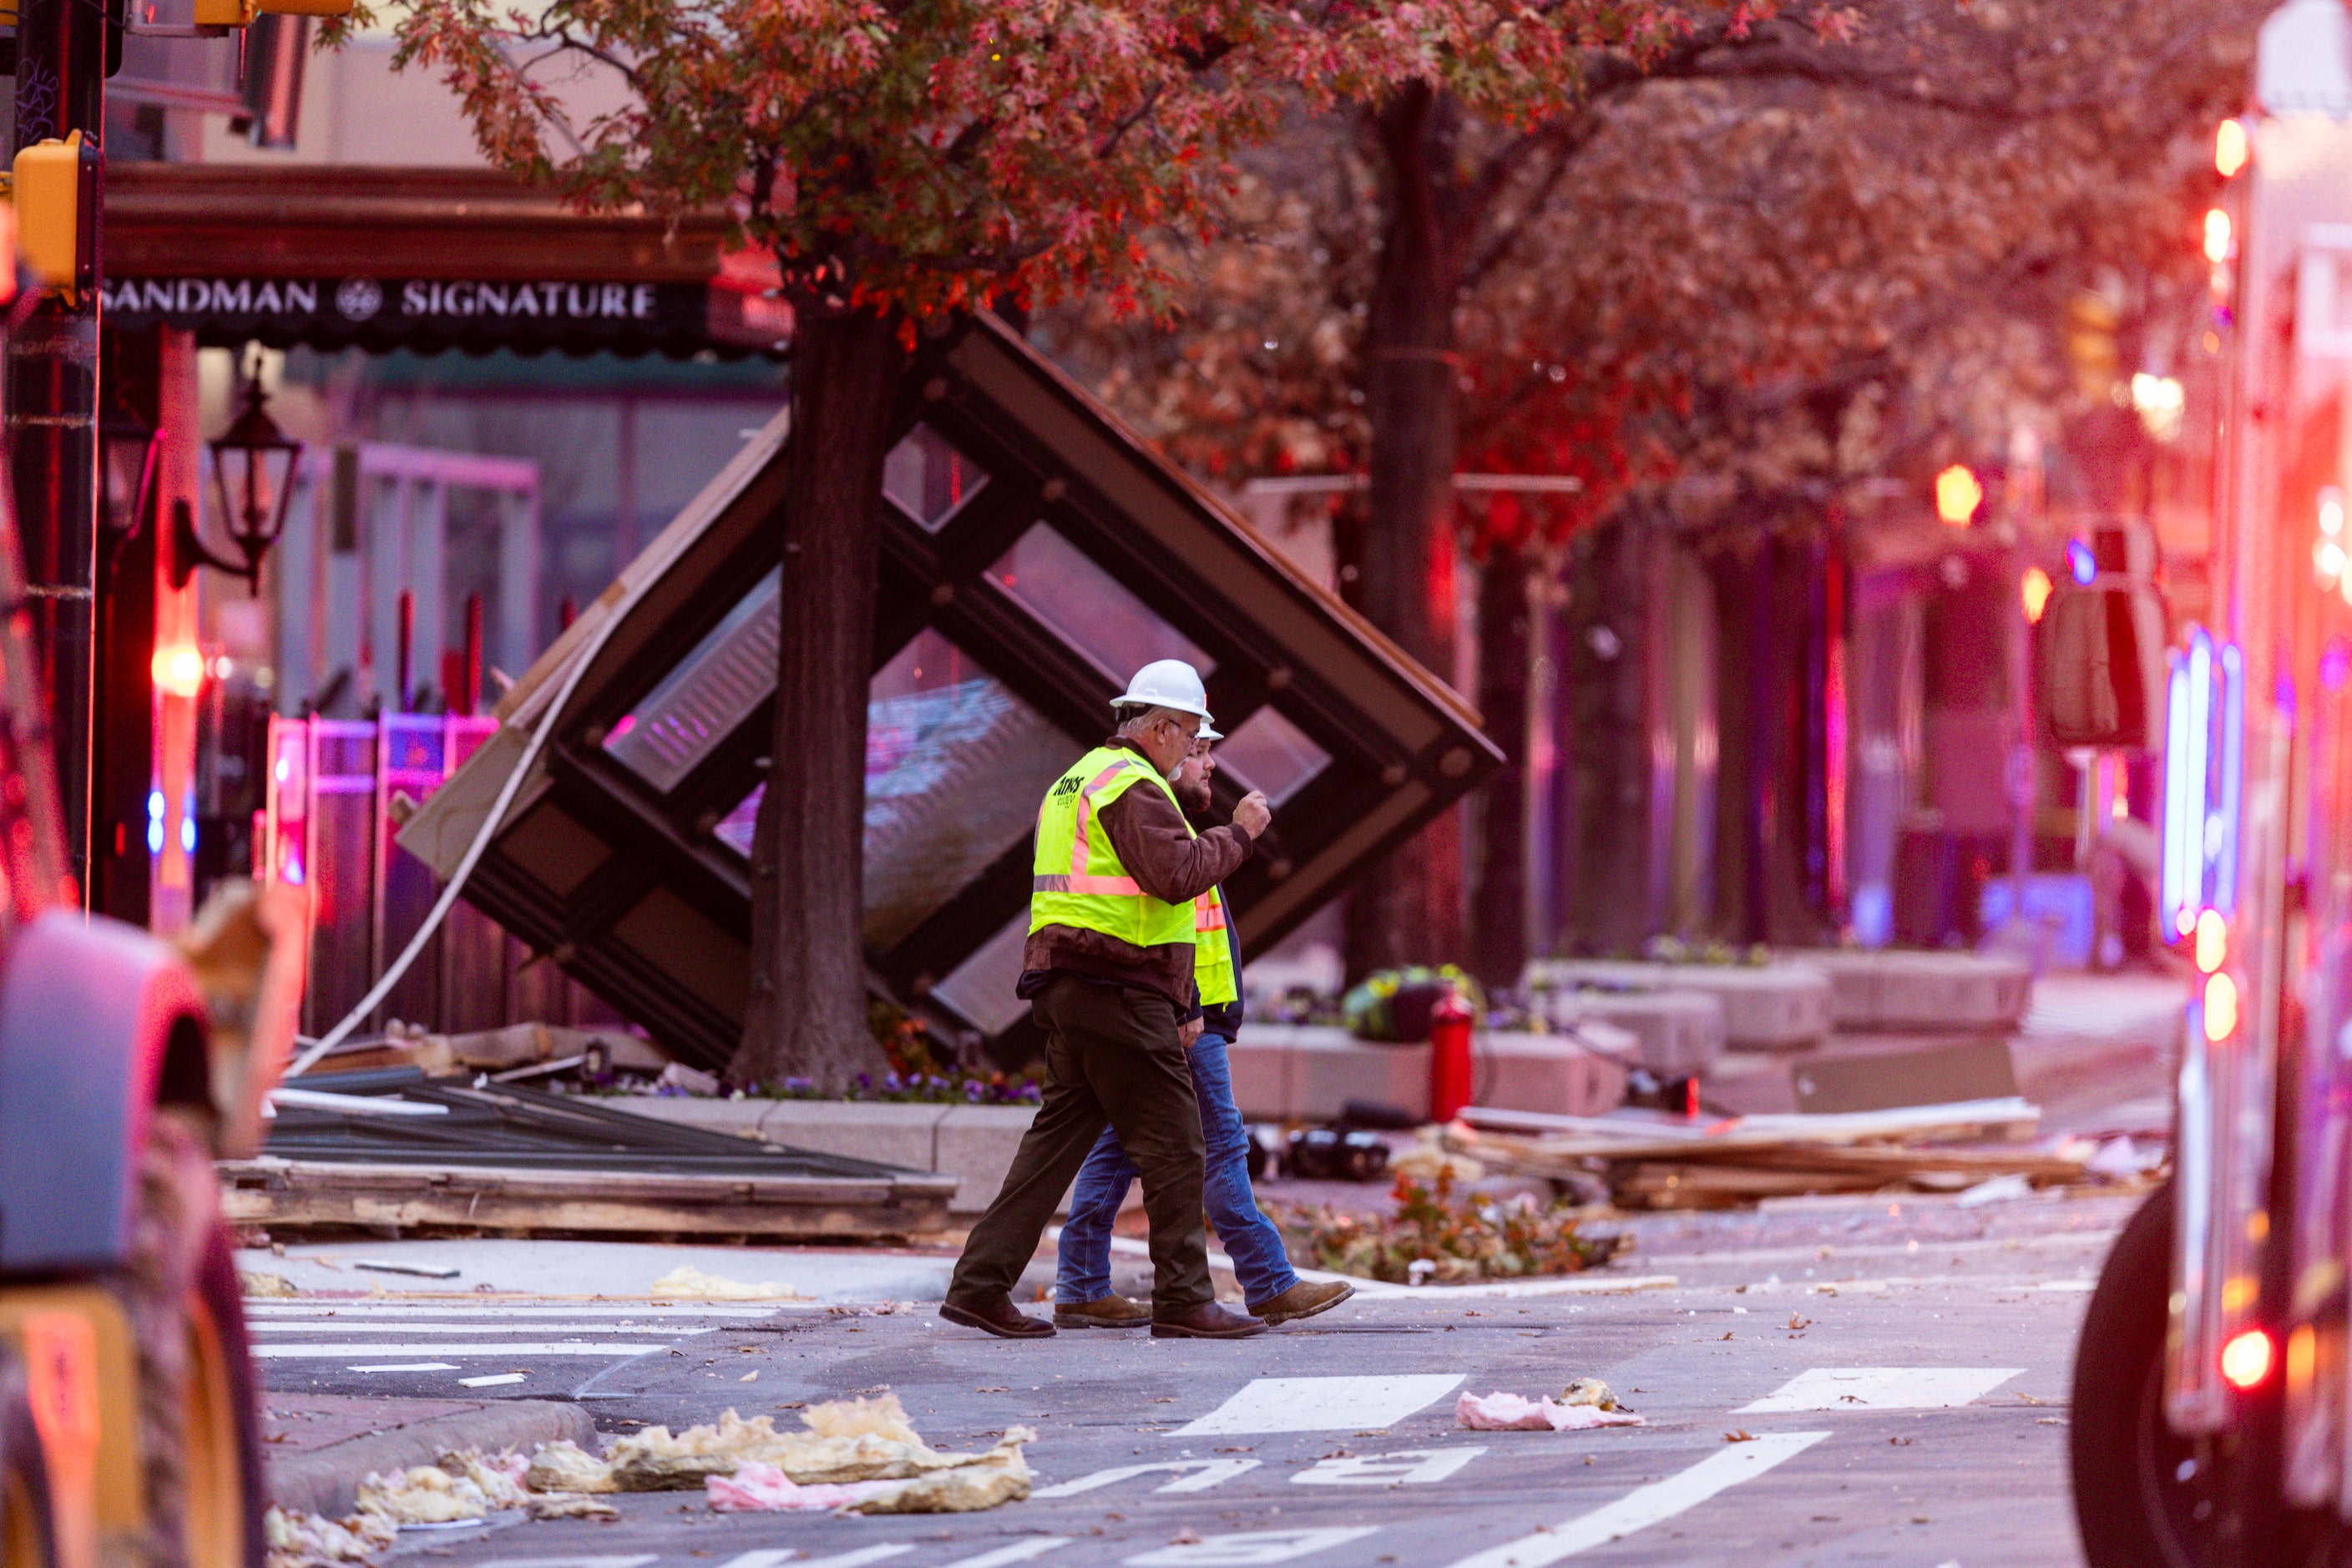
point(755, 1488)
point(1511, 1413)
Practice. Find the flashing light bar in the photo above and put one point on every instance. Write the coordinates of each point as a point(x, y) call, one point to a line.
point(2204, 777)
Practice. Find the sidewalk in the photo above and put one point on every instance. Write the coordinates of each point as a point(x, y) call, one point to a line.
point(624, 1270)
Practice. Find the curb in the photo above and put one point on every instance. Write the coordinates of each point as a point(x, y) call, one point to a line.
point(325, 1480)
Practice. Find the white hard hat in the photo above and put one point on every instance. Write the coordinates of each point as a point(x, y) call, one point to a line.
point(1209, 733)
point(1166, 683)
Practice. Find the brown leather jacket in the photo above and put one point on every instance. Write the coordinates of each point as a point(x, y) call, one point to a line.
point(1169, 863)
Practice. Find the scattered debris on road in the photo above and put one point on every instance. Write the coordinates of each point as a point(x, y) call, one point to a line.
point(1516, 1413)
point(687, 1283)
point(1433, 1237)
point(419, 1270)
point(860, 1455)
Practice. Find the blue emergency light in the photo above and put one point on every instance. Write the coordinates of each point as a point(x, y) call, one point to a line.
point(2204, 755)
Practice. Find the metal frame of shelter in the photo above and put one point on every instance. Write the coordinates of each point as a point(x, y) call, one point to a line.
point(1034, 551)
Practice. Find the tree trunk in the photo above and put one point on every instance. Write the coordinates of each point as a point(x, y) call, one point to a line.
point(1408, 907)
point(1498, 948)
point(1767, 733)
point(807, 1016)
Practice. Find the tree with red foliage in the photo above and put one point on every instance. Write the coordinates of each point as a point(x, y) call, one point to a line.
point(1742, 288)
point(905, 158)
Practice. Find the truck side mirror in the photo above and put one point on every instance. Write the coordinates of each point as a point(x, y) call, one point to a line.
point(2102, 666)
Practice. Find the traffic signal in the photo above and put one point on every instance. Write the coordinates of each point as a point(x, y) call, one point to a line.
point(241, 13)
point(55, 184)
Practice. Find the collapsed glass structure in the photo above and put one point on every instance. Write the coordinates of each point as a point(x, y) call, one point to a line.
point(1034, 552)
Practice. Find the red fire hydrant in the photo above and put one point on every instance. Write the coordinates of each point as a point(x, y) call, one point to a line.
point(1450, 1023)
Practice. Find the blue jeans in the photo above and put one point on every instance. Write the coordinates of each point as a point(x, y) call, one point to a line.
point(1249, 1237)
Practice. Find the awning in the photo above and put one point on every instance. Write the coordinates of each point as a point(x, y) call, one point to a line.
point(425, 259)
point(1034, 552)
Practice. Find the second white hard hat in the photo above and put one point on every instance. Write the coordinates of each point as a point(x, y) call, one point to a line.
point(1166, 683)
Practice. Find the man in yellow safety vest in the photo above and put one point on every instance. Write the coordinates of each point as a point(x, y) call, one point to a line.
point(1083, 1298)
point(1107, 971)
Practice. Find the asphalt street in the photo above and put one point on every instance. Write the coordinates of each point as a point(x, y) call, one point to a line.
point(1864, 1382)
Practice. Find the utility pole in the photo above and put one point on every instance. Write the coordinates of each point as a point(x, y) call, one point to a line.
point(51, 383)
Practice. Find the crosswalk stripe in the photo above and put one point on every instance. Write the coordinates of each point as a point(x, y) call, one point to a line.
point(1321, 1404)
point(1251, 1546)
point(1882, 1388)
point(1646, 1506)
point(557, 1347)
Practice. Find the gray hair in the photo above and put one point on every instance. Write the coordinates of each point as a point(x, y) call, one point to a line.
point(1140, 719)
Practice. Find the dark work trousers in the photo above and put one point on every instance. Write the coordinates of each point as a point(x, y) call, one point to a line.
point(1112, 1057)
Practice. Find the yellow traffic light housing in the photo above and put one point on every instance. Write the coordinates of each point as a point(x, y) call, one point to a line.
point(241, 13)
point(55, 190)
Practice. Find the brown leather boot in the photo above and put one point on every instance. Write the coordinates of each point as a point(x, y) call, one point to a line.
point(1000, 1318)
point(1303, 1299)
point(1113, 1312)
point(1207, 1321)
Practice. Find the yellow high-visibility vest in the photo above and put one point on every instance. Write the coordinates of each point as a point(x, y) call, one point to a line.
point(1213, 951)
point(1078, 877)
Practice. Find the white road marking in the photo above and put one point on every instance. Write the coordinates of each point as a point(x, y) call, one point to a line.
point(411, 1366)
point(568, 1562)
point(863, 1554)
point(332, 1352)
point(265, 1308)
point(1321, 1404)
point(1191, 1475)
point(2084, 1285)
point(491, 1381)
point(1406, 1467)
point(1019, 1551)
point(1256, 1546)
point(1882, 1388)
point(485, 1327)
point(1646, 1506)
point(766, 1557)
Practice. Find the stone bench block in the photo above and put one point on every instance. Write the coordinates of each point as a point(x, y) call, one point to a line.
point(1767, 1007)
point(1545, 1073)
point(1679, 1033)
point(976, 1143)
point(1903, 990)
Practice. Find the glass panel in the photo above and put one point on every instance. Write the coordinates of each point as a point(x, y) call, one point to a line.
point(1271, 754)
point(713, 689)
point(955, 767)
point(981, 989)
point(1092, 610)
point(928, 480)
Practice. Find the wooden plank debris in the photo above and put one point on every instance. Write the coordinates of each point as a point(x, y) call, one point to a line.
point(292, 1195)
point(504, 1158)
point(1655, 1164)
